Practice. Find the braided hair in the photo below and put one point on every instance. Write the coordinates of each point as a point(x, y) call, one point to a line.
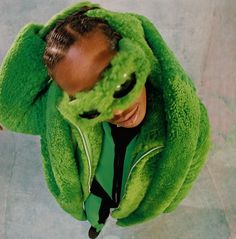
point(71, 29)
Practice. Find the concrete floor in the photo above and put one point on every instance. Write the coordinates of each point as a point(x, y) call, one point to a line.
point(202, 34)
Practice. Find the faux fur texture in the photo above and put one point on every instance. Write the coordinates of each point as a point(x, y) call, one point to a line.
point(171, 147)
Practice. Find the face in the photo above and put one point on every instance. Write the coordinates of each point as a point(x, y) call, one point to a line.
point(83, 66)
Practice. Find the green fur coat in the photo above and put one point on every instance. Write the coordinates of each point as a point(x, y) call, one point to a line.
point(171, 147)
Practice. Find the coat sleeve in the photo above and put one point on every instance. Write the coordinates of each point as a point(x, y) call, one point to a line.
point(23, 83)
point(24, 80)
point(203, 147)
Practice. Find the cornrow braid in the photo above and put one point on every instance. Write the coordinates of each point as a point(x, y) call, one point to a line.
point(69, 30)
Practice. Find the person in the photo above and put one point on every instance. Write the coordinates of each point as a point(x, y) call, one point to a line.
point(78, 68)
point(120, 122)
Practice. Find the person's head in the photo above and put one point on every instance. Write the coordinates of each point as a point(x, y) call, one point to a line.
point(77, 52)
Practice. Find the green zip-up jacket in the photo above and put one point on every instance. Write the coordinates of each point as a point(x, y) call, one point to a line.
point(171, 147)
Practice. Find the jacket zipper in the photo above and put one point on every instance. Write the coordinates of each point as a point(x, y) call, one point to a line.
point(139, 159)
point(87, 154)
point(89, 160)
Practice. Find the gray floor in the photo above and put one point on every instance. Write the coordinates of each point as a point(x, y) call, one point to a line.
point(202, 34)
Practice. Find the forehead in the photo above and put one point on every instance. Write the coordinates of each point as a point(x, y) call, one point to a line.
point(84, 63)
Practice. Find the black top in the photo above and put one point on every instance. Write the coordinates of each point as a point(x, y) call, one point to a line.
point(122, 137)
